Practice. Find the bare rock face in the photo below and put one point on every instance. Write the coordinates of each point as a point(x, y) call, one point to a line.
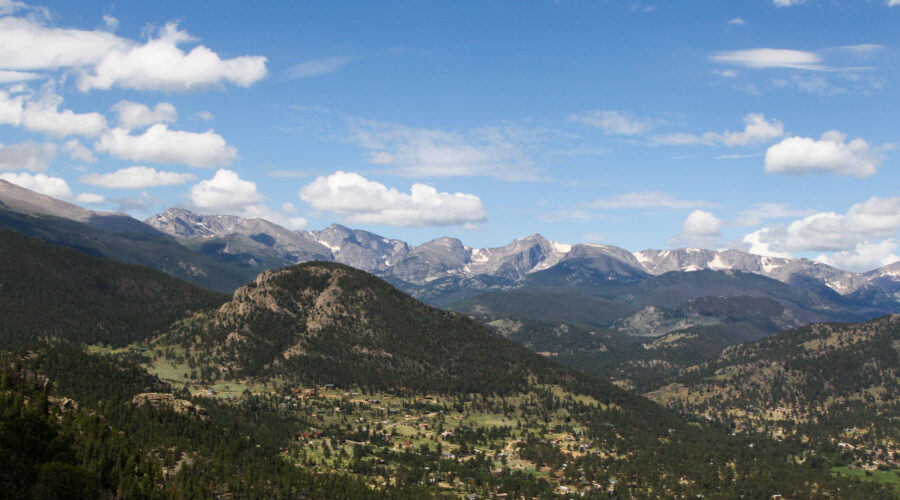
point(781, 269)
point(447, 262)
point(160, 399)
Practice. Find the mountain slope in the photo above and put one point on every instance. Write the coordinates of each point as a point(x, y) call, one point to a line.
point(157, 252)
point(816, 382)
point(202, 230)
point(311, 321)
point(53, 292)
point(18, 199)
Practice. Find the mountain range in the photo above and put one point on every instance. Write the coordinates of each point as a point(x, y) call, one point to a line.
point(443, 264)
point(634, 317)
point(507, 266)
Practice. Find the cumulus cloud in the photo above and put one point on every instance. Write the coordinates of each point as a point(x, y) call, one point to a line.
point(646, 199)
point(771, 58)
point(50, 186)
point(158, 144)
point(830, 154)
point(613, 122)
point(419, 152)
point(77, 151)
point(104, 60)
point(368, 202)
point(756, 129)
point(700, 229)
point(764, 241)
point(865, 256)
point(28, 155)
point(43, 115)
point(134, 115)
point(159, 64)
point(11, 108)
point(227, 193)
point(873, 219)
point(26, 44)
point(136, 177)
point(320, 67)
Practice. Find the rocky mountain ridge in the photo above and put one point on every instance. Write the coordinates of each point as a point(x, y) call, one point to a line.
point(511, 264)
point(445, 267)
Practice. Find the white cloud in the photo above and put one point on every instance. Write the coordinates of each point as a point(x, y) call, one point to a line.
point(369, 202)
point(136, 177)
point(647, 199)
point(771, 58)
point(419, 152)
point(864, 256)
point(736, 20)
point(17, 76)
point(134, 115)
point(104, 60)
point(227, 193)
point(28, 155)
point(893, 3)
point(160, 64)
point(90, 198)
point(78, 152)
point(11, 107)
point(43, 115)
point(614, 122)
point(320, 67)
point(756, 129)
point(761, 242)
point(787, 3)
point(161, 145)
point(50, 186)
point(700, 229)
point(873, 219)
point(26, 44)
point(830, 154)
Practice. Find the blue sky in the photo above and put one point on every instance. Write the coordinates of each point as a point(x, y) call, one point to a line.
point(763, 125)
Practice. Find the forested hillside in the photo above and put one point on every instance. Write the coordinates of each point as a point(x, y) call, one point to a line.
point(54, 293)
point(831, 385)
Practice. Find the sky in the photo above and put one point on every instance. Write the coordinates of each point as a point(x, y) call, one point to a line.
point(769, 126)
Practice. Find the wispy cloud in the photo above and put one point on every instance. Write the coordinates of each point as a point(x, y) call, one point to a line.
point(320, 67)
point(756, 129)
point(613, 122)
point(647, 199)
point(500, 152)
point(771, 58)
